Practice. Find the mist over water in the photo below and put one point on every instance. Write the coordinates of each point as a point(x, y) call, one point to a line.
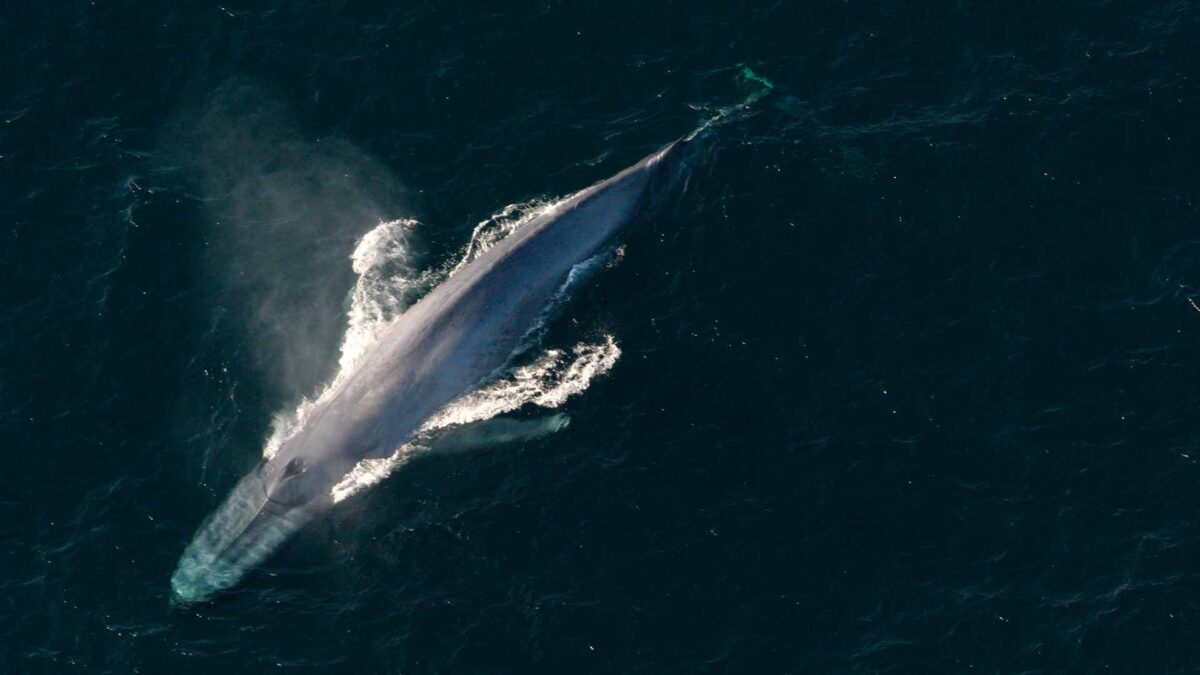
point(284, 209)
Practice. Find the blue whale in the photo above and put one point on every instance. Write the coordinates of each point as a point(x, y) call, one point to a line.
point(444, 346)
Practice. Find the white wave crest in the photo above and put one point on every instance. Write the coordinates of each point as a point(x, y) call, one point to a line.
point(370, 471)
point(547, 382)
point(387, 284)
point(501, 224)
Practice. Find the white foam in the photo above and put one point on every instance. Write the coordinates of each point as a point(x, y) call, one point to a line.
point(501, 224)
point(387, 284)
point(547, 382)
point(370, 471)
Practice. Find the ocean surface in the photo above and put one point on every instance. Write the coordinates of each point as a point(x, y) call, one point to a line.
point(904, 378)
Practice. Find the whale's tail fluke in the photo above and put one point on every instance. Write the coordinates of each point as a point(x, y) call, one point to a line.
point(761, 88)
point(679, 159)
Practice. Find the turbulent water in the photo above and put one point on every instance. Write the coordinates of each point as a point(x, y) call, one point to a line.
point(900, 377)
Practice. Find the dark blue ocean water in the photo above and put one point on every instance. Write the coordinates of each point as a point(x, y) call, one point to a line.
point(909, 369)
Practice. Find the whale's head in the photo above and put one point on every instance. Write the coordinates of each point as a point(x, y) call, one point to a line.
point(273, 501)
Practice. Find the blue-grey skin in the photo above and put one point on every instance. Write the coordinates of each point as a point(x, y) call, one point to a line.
point(444, 346)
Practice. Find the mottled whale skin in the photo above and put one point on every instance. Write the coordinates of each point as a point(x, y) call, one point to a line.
point(439, 349)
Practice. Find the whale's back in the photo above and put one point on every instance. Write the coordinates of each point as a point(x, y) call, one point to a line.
point(462, 331)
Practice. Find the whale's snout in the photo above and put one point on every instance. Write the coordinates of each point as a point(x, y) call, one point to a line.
point(237, 537)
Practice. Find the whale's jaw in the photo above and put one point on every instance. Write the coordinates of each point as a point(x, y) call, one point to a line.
point(236, 538)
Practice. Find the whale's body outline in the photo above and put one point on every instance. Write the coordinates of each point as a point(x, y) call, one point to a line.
point(441, 348)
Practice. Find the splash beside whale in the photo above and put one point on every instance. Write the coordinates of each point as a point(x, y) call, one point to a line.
point(461, 334)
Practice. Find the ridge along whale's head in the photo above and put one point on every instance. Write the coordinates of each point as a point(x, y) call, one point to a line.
point(266, 507)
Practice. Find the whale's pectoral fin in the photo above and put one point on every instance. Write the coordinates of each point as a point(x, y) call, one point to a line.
point(496, 431)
